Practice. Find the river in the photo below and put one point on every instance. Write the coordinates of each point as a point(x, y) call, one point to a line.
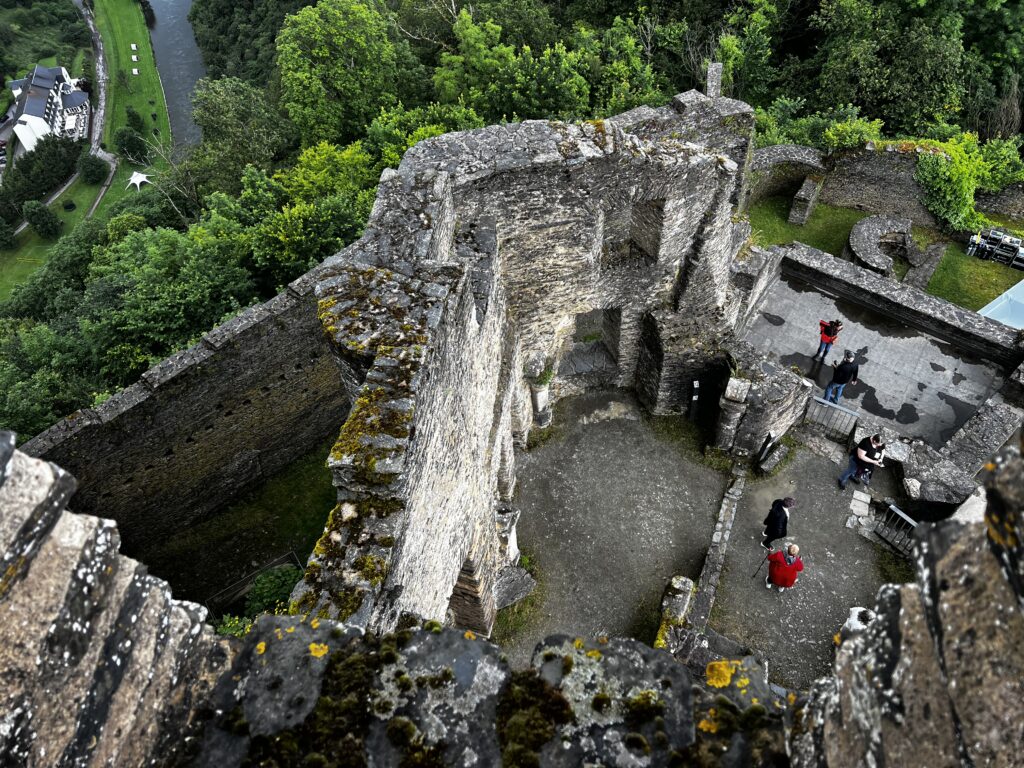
point(180, 64)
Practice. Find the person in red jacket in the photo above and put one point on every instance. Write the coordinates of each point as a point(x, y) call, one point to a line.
point(829, 333)
point(783, 568)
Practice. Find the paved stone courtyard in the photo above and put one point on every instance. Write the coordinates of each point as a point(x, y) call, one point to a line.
point(793, 630)
point(920, 386)
point(611, 510)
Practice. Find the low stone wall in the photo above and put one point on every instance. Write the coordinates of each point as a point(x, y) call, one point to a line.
point(881, 181)
point(866, 238)
point(964, 329)
point(252, 396)
point(761, 397)
point(804, 200)
point(1006, 202)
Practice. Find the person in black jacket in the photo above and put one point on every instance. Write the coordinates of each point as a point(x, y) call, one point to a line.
point(844, 373)
point(776, 521)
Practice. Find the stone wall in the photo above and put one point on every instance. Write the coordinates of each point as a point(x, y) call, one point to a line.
point(964, 329)
point(865, 246)
point(780, 169)
point(1006, 202)
point(762, 396)
point(99, 665)
point(253, 395)
point(880, 181)
point(482, 250)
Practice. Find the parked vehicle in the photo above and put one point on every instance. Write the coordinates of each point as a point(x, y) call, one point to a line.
point(997, 245)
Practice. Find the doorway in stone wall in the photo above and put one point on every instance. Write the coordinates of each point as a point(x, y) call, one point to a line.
point(593, 348)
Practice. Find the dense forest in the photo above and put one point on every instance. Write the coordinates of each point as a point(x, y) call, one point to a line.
point(328, 94)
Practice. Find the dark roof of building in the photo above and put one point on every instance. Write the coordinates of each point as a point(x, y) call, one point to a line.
point(35, 91)
point(75, 99)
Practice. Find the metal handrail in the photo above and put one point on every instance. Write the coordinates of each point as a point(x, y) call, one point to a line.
point(830, 404)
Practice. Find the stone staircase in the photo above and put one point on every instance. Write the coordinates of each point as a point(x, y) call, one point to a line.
point(99, 665)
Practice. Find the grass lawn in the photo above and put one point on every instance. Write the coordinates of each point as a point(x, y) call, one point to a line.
point(969, 281)
point(120, 24)
point(31, 250)
point(828, 229)
point(1014, 225)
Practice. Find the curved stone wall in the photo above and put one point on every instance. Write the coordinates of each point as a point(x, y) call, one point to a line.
point(781, 169)
point(867, 236)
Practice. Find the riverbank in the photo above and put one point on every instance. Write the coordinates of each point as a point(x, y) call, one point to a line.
point(122, 26)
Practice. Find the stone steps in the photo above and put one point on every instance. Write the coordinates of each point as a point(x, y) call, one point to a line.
point(99, 665)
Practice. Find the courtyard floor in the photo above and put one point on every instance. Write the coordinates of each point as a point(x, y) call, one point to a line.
point(793, 630)
point(912, 382)
point(612, 508)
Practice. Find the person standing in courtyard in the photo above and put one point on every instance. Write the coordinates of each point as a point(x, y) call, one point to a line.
point(776, 522)
point(866, 455)
point(844, 373)
point(829, 330)
point(783, 567)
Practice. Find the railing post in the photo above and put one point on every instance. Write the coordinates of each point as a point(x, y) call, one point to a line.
point(693, 400)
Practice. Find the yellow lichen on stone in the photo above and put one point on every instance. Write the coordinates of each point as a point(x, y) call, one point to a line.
point(743, 682)
point(719, 673)
point(594, 653)
point(316, 650)
point(261, 648)
point(470, 635)
point(578, 643)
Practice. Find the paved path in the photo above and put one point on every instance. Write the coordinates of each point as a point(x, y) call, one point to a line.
point(610, 511)
point(920, 386)
point(842, 569)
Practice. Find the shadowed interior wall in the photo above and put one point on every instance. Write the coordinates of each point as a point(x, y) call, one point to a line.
point(252, 396)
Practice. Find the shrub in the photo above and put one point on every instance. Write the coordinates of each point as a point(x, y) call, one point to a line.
point(949, 180)
point(235, 626)
point(135, 121)
point(6, 235)
point(850, 134)
point(270, 588)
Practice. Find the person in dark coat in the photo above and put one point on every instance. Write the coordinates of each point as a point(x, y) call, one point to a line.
point(776, 521)
point(783, 568)
point(844, 373)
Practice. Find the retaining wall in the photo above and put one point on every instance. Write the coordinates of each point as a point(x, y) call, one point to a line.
point(880, 181)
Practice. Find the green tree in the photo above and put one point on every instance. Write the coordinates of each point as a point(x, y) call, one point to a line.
point(897, 65)
point(337, 68)
point(43, 221)
point(149, 294)
point(43, 375)
point(395, 130)
point(131, 146)
point(93, 169)
point(134, 120)
point(122, 225)
point(746, 49)
point(233, 114)
point(6, 235)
